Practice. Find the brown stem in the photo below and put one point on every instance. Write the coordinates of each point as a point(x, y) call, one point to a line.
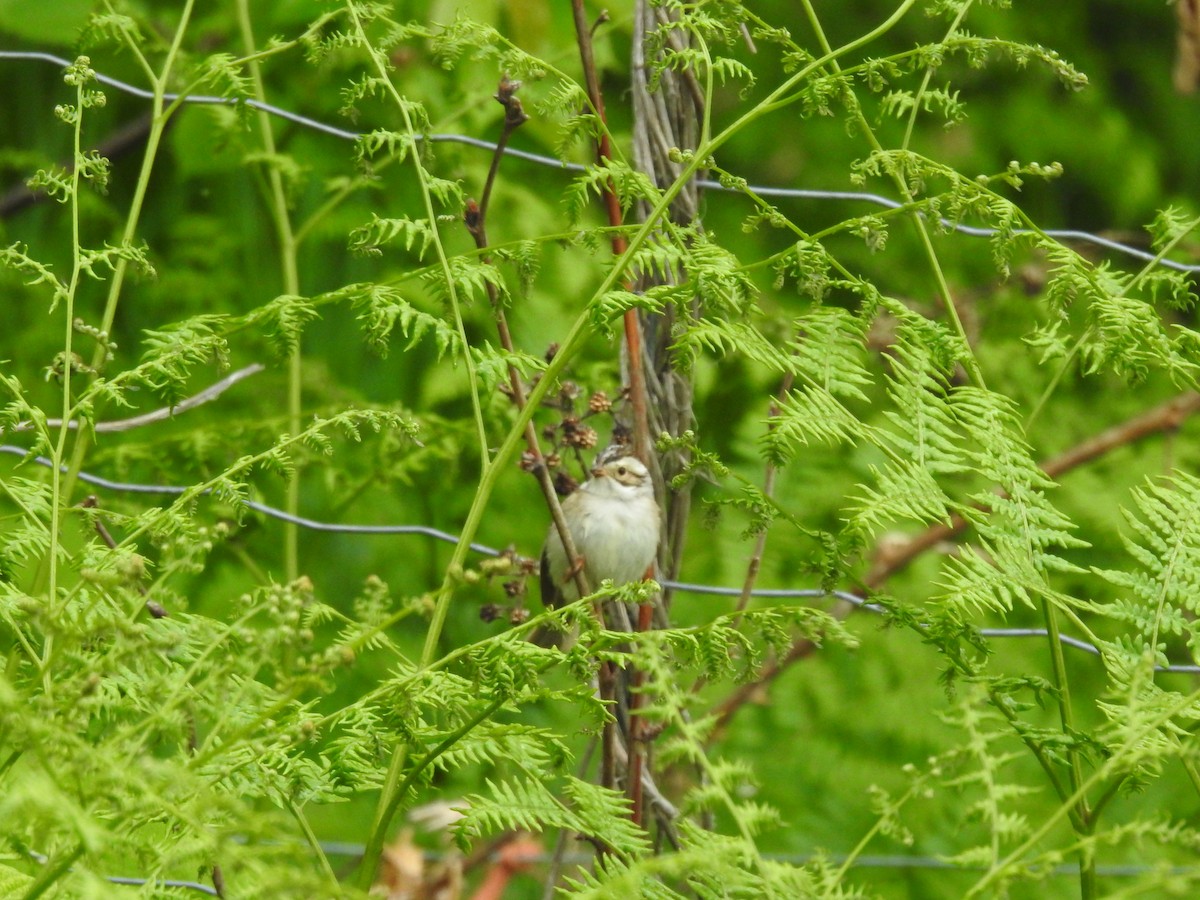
point(606, 687)
point(760, 542)
point(156, 610)
point(612, 205)
point(514, 118)
point(637, 730)
point(476, 222)
point(633, 347)
point(1165, 418)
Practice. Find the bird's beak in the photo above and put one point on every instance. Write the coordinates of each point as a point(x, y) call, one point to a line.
point(597, 472)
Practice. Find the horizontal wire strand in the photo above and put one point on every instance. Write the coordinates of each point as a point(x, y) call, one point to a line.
point(484, 549)
point(1065, 234)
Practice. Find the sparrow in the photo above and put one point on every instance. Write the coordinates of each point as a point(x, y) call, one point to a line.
point(613, 519)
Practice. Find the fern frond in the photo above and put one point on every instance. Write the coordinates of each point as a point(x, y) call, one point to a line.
point(830, 351)
point(627, 183)
point(729, 337)
point(1160, 595)
point(368, 238)
point(382, 307)
point(285, 318)
point(903, 490)
point(527, 805)
point(808, 415)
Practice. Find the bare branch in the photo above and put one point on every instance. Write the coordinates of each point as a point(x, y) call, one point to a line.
point(212, 392)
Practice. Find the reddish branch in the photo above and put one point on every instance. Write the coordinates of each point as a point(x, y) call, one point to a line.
point(637, 395)
point(512, 858)
point(612, 205)
point(476, 222)
point(1164, 418)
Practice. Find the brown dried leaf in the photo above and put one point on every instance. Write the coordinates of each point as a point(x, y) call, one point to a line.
point(403, 876)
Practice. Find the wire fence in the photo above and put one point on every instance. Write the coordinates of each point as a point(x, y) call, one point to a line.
point(1068, 234)
point(683, 586)
point(348, 849)
point(763, 190)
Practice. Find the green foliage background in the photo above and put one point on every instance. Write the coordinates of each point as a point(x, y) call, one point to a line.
point(268, 705)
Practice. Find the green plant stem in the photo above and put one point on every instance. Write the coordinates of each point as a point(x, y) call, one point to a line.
point(1000, 703)
point(1193, 773)
point(158, 124)
point(1058, 667)
point(10, 761)
point(449, 741)
point(970, 363)
point(1107, 796)
point(1056, 380)
point(282, 221)
point(57, 497)
point(310, 836)
point(916, 107)
point(52, 873)
point(866, 839)
point(1103, 771)
point(1082, 820)
point(378, 60)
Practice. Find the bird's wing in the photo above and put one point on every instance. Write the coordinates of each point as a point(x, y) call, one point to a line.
point(552, 594)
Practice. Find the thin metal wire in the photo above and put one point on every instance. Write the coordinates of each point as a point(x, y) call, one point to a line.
point(312, 524)
point(438, 534)
point(1067, 234)
point(163, 883)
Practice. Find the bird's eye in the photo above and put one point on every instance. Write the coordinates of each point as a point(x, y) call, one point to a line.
point(621, 470)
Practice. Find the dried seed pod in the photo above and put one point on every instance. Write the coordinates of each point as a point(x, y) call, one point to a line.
point(587, 438)
point(490, 612)
point(599, 402)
